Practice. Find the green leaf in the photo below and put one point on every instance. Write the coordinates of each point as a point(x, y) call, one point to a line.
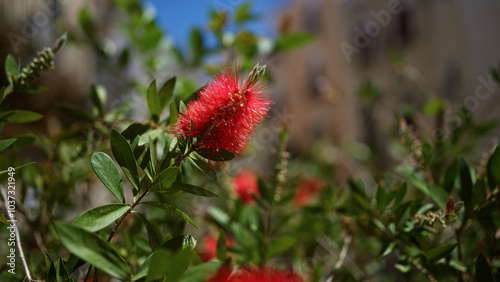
point(280, 245)
point(168, 264)
point(291, 41)
point(135, 129)
point(493, 169)
point(219, 155)
point(93, 250)
point(86, 22)
point(450, 175)
point(144, 269)
point(440, 252)
point(124, 157)
point(108, 173)
point(167, 92)
point(383, 198)
point(221, 246)
point(195, 190)
point(483, 270)
point(399, 196)
point(19, 116)
point(201, 271)
point(243, 13)
point(73, 263)
point(75, 112)
point(50, 267)
point(11, 68)
point(98, 96)
point(154, 238)
point(465, 185)
point(153, 158)
point(3, 219)
point(180, 242)
point(153, 101)
point(165, 179)
point(61, 272)
point(2, 94)
point(172, 209)
point(173, 114)
point(196, 45)
point(5, 143)
point(99, 217)
point(153, 134)
point(434, 107)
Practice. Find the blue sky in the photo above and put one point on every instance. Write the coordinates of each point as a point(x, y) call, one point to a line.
point(178, 17)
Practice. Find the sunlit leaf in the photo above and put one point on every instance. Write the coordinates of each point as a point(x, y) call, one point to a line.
point(99, 217)
point(108, 173)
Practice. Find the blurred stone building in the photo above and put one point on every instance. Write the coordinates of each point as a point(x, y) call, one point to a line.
point(449, 47)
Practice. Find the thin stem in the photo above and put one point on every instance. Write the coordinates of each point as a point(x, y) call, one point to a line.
point(18, 238)
point(343, 252)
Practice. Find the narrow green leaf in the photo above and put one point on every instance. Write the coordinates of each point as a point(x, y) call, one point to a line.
point(153, 158)
point(219, 155)
point(401, 193)
point(19, 116)
point(3, 219)
point(144, 269)
point(97, 218)
point(165, 179)
point(450, 175)
point(280, 245)
point(291, 41)
point(98, 96)
point(153, 101)
point(180, 242)
point(201, 271)
point(483, 270)
point(135, 129)
point(2, 94)
point(5, 143)
point(172, 209)
point(196, 45)
point(154, 238)
point(153, 134)
point(108, 173)
point(73, 263)
point(195, 190)
point(50, 267)
point(173, 114)
point(11, 68)
point(465, 185)
point(167, 92)
point(221, 246)
point(61, 272)
point(75, 112)
point(93, 250)
point(125, 157)
point(440, 252)
point(493, 169)
point(383, 198)
point(243, 13)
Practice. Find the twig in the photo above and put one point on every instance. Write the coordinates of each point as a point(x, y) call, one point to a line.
point(18, 239)
point(343, 252)
point(422, 269)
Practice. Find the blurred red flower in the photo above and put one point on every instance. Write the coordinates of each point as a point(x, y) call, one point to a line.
point(308, 187)
point(256, 275)
point(227, 111)
point(210, 247)
point(245, 184)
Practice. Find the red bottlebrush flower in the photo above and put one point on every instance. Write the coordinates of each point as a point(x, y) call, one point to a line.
point(256, 275)
point(307, 189)
point(210, 247)
point(226, 113)
point(245, 184)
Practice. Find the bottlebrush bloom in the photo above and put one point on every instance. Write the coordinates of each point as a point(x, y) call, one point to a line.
point(256, 275)
point(210, 247)
point(226, 113)
point(245, 184)
point(307, 189)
